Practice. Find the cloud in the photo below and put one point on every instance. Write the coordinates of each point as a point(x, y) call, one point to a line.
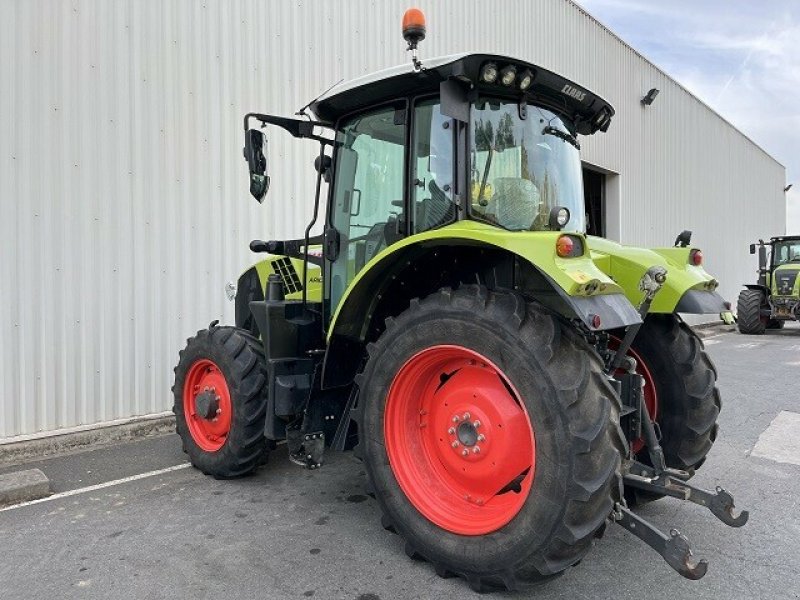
point(738, 56)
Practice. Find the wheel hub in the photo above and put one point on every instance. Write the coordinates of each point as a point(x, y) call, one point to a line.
point(467, 433)
point(206, 404)
point(459, 440)
point(466, 439)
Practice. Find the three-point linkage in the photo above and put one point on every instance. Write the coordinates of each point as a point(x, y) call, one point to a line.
point(659, 479)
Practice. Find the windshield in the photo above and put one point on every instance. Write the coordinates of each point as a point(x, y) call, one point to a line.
point(521, 169)
point(786, 252)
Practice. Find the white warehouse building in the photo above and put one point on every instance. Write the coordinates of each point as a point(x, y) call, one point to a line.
point(124, 195)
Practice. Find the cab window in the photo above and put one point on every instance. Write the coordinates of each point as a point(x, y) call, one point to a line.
point(432, 168)
point(368, 191)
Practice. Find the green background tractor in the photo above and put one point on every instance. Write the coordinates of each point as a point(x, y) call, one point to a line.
point(504, 378)
point(775, 299)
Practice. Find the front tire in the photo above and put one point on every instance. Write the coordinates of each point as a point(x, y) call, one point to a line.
point(748, 312)
point(220, 401)
point(531, 503)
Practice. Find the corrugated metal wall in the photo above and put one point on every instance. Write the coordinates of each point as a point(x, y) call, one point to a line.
point(123, 195)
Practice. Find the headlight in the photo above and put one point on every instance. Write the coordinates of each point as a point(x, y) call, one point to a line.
point(525, 80)
point(559, 216)
point(489, 73)
point(508, 74)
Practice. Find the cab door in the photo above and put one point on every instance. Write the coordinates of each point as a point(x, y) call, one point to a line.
point(367, 210)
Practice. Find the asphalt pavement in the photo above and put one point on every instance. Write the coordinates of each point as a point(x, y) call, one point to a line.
point(131, 521)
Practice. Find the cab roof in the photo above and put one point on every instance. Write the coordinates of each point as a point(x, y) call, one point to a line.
point(586, 111)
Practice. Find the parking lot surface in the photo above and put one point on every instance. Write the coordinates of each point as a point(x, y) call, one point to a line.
point(131, 521)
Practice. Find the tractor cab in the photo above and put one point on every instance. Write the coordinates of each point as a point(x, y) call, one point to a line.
point(416, 148)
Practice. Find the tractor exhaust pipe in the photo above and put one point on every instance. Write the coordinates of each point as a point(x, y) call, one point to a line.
point(762, 265)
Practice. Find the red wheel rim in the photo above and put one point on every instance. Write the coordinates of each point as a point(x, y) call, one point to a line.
point(205, 389)
point(459, 440)
point(649, 390)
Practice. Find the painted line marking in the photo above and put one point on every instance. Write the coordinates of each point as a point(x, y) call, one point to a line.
point(781, 440)
point(98, 486)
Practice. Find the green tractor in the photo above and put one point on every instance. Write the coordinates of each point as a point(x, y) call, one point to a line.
point(775, 299)
point(511, 385)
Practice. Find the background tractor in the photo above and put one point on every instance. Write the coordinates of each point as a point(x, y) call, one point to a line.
point(510, 384)
point(775, 299)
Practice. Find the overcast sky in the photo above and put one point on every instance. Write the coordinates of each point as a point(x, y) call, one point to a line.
point(741, 57)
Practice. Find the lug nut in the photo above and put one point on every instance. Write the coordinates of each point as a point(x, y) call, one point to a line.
point(476, 450)
point(456, 419)
point(476, 424)
point(465, 452)
point(481, 437)
point(219, 411)
point(451, 431)
point(454, 444)
point(466, 416)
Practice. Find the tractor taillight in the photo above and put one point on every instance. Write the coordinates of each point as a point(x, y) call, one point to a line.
point(565, 246)
point(696, 257)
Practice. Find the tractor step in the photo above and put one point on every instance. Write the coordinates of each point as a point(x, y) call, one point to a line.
point(305, 449)
point(673, 548)
point(672, 483)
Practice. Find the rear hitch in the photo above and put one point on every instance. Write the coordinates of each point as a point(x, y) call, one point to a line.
point(673, 548)
point(671, 482)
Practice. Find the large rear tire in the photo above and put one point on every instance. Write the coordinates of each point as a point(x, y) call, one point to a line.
point(220, 401)
point(470, 369)
point(683, 379)
point(748, 312)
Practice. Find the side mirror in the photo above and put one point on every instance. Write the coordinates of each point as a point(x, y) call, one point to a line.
point(254, 154)
point(752, 248)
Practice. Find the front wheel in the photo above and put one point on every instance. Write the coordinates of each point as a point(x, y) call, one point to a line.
point(490, 437)
point(220, 401)
point(748, 312)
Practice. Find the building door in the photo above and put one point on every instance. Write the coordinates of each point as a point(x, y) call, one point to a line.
point(594, 192)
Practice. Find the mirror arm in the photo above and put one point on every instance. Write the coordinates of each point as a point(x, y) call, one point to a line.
point(296, 127)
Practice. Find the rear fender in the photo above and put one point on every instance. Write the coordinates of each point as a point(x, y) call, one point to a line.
point(688, 288)
point(468, 252)
point(759, 288)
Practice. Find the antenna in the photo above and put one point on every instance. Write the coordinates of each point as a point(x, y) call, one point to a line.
point(302, 111)
point(414, 33)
